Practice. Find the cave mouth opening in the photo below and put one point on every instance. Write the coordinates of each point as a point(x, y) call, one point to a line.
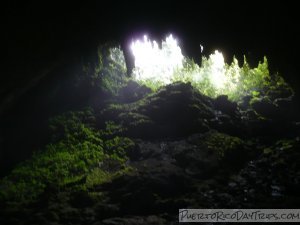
point(165, 63)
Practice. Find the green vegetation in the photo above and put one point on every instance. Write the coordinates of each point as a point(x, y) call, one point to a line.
point(224, 145)
point(157, 66)
point(213, 78)
point(81, 155)
point(108, 73)
point(238, 81)
point(78, 158)
point(152, 84)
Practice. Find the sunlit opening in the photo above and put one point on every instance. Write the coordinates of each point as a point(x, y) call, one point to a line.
point(163, 65)
point(217, 76)
point(155, 63)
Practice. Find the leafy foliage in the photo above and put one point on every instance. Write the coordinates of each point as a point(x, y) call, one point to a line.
point(108, 73)
point(222, 144)
point(58, 164)
point(213, 78)
point(156, 67)
point(239, 81)
point(69, 126)
point(76, 158)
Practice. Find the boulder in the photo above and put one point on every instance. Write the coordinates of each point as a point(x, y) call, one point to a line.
point(264, 107)
point(132, 92)
point(286, 108)
point(225, 106)
point(175, 110)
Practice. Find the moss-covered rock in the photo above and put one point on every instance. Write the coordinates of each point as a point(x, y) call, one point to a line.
point(231, 151)
point(78, 158)
point(174, 110)
point(264, 107)
point(224, 105)
point(132, 92)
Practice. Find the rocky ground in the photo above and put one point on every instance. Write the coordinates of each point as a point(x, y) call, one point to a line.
point(190, 151)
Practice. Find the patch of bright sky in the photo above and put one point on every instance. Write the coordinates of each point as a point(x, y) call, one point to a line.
point(160, 63)
point(153, 62)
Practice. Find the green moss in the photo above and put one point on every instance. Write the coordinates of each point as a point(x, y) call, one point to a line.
point(111, 129)
point(74, 125)
point(72, 161)
point(58, 164)
point(132, 119)
point(153, 85)
point(225, 145)
point(267, 151)
point(96, 177)
point(264, 99)
point(117, 147)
